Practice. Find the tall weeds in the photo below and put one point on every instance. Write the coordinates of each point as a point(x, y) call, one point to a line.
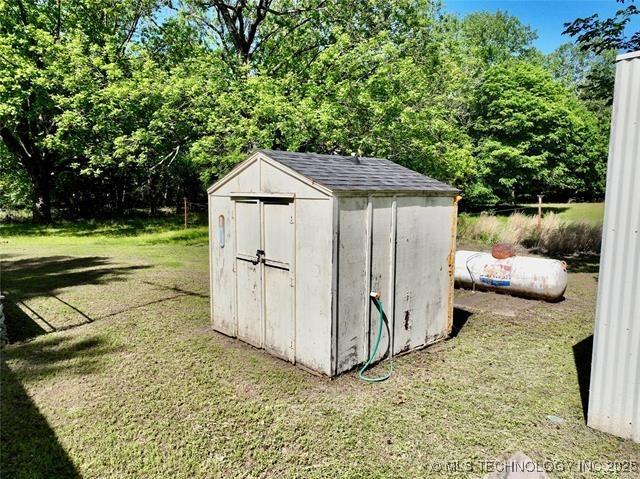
point(555, 236)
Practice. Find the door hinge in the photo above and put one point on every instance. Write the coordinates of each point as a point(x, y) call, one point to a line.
point(291, 220)
point(291, 281)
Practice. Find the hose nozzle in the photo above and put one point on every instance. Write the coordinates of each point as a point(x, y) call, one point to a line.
point(375, 294)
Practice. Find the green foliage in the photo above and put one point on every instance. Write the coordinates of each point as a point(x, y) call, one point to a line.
point(496, 37)
point(15, 188)
point(110, 106)
point(534, 136)
point(604, 35)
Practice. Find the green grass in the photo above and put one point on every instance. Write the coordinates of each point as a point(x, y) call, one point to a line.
point(575, 212)
point(116, 373)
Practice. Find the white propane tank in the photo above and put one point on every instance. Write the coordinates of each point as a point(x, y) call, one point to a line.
point(519, 275)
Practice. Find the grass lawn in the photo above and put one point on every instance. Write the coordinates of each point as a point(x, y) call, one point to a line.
point(115, 372)
point(589, 212)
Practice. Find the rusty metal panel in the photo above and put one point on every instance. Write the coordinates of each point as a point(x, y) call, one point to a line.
point(614, 399)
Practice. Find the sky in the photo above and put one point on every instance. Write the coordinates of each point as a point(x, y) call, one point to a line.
point(547, 17)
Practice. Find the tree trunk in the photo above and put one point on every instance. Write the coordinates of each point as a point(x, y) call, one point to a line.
point(37, 165)
point(41, 207)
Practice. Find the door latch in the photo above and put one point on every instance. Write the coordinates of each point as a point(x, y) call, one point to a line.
point(259, 256)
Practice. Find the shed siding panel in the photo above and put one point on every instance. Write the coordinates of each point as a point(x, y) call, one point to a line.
point(278, 268)
point(313, 266)
point(381, 268)
point(614, 399)
point(229, 187)
point(352, 283)
point(245, 181)
point(274, 180)
point(222, 282)
point(422, 271)
point(249, 179)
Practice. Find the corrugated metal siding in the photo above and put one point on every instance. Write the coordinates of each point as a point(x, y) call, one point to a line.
point(614, 399)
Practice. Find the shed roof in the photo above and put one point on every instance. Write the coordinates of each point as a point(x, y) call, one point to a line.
point(350, 173)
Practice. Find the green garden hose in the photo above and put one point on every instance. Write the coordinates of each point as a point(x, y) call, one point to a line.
point(375, 351)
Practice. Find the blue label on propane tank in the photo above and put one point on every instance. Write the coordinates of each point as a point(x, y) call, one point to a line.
point(501, 282)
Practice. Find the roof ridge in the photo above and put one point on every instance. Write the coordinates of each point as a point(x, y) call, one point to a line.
point(342, 173)
point(308, 153)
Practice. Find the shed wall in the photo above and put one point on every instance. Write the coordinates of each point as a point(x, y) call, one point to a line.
point(422, 271)
point(313, 223)
point(614, 399)
point(222, 267)
point(314, 241)
point(352, 271)
point(402, 247)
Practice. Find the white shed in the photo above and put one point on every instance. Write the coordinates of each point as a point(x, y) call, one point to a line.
point(299, 240)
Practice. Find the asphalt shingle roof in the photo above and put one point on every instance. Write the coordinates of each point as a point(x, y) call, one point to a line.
point(350, 173)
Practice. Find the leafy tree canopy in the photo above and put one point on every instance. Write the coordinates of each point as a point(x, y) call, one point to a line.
point(602, 35)
point(107, 105)
point(534, 136)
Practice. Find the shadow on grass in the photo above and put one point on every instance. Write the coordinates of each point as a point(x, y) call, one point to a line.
point(582, 353)
point(47, 357)
point(21, 326)
point(30, 448)
point(175, 289)
point(45, 276)
point(460, 318)
point(32, 277)
point(583, 263)
point(29, 445)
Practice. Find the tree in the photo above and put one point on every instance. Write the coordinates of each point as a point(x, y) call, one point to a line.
point(602, 35)
point(495, 37)
point(382, 85)
point(107, 106)
point(15, 188)
point(38, 41)
point(244, 28)
point(534, 136)
point(587, 74)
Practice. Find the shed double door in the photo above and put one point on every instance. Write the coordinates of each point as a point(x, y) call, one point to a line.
point(264, 274)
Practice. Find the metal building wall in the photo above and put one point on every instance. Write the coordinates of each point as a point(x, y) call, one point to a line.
point(614, 399)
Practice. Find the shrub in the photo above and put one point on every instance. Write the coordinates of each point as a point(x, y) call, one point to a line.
point(486, 229)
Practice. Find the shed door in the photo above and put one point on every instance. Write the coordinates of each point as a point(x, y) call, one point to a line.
point(249, 272)
point(278, 279)
point(264, 259)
